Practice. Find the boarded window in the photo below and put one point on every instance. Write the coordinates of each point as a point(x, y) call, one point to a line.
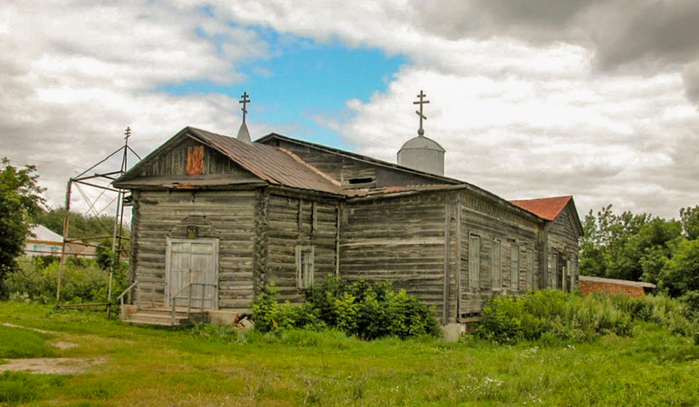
point(496, 273)
point(195, 160)
point(530, 269)
point(514, 268)
point(304, 266)
point(474, 262)
point(554, 270)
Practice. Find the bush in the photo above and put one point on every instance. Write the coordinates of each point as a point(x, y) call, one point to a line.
point(82, 280)
point(367, 310)
point(552, 316)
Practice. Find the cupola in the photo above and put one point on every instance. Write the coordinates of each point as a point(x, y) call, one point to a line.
point(421, 153)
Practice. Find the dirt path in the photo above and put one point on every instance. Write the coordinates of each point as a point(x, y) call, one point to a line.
point(50, 365)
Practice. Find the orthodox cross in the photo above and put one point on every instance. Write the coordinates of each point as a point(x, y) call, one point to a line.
point(245, 102)
point(421, 102)
point(127, 133)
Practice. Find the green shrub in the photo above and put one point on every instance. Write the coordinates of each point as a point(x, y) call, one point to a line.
point(691, 303)
point(501, 321)
point(367, 310)
point(551, 315)
point(82, 280)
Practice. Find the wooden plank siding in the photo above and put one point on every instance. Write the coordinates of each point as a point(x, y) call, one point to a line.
point(173, 163)
point(563, 241)
point(397, 239)
point(345, 169)
point(295, 220)
point(226, 215)
point(489, 223)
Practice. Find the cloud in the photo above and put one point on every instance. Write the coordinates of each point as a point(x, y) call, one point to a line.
point(650, 34)
point(529, 97)
point(75, 74)
point(604, 140)
point(690, 75)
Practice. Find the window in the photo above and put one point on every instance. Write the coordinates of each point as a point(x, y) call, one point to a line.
point(474, 261)
point(496, 274)
point(304, 266)
point(554, 270)
point(530, 269)
point(514, 268)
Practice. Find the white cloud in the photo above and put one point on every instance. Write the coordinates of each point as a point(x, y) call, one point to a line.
point(74, 75)
point(530, 98)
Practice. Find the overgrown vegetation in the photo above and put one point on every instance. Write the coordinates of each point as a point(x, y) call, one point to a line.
point(640, 247)
point(20, 200)
point(555, 316)
point(224, 366)
point(83, 226)
point(367, 310)
point(83, 280)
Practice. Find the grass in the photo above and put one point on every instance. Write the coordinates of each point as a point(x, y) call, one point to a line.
point(16, 343)
point(217, 366)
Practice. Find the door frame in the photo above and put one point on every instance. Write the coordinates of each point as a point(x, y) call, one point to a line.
point(168, 273)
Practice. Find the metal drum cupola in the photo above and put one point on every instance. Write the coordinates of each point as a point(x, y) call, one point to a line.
point(421, 153)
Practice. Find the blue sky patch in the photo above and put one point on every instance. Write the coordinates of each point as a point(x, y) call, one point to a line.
point(303, 80)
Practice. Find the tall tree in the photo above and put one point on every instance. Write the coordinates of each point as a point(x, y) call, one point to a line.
point(20, 201)
point(690, 222)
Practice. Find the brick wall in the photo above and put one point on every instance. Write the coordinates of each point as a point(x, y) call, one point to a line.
point(587, 287)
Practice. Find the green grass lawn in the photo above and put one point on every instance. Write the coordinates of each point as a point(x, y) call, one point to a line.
point(211, 366)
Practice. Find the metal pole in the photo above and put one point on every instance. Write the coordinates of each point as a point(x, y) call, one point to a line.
point(66, 223)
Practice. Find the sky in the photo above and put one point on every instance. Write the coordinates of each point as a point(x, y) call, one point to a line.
point(531, 98)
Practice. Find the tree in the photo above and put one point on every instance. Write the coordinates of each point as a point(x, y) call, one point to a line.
point(20, 201)
point(682, 270)
point(690, 222)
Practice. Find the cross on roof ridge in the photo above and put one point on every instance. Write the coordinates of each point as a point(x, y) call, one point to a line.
point(244, 100)
point(421, 102)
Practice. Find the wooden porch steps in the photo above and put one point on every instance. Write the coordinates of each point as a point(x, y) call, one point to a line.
point(163, 317)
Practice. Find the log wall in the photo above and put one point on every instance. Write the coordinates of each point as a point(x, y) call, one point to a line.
point(294, 220)
point(226, 215)
point(349, 171)
point(401, 240)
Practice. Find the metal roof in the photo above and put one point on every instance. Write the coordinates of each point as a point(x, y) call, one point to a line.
point(545, 208)
point(272, 164)
point(422, 142)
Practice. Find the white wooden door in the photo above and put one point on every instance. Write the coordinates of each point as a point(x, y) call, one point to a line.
point(196, 262)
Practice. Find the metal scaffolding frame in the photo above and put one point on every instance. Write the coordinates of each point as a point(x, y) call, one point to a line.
point(117, 232)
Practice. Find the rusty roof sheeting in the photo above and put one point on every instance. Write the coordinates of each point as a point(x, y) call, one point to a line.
point(545, 208)
point(267, 162)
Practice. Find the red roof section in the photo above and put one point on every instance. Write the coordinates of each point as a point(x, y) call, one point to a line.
point(545, 208)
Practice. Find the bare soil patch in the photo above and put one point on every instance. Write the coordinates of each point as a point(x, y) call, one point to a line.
point(51, 365)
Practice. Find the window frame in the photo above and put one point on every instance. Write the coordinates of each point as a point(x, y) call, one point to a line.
point(474, 262)
point(496, 265)
point(302, 274)
point(514, 267)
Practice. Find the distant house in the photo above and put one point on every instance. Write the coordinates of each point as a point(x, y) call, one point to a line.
point(44, 242)
point(216, 218)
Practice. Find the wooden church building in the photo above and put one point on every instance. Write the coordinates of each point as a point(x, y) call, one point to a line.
point(216, 218)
